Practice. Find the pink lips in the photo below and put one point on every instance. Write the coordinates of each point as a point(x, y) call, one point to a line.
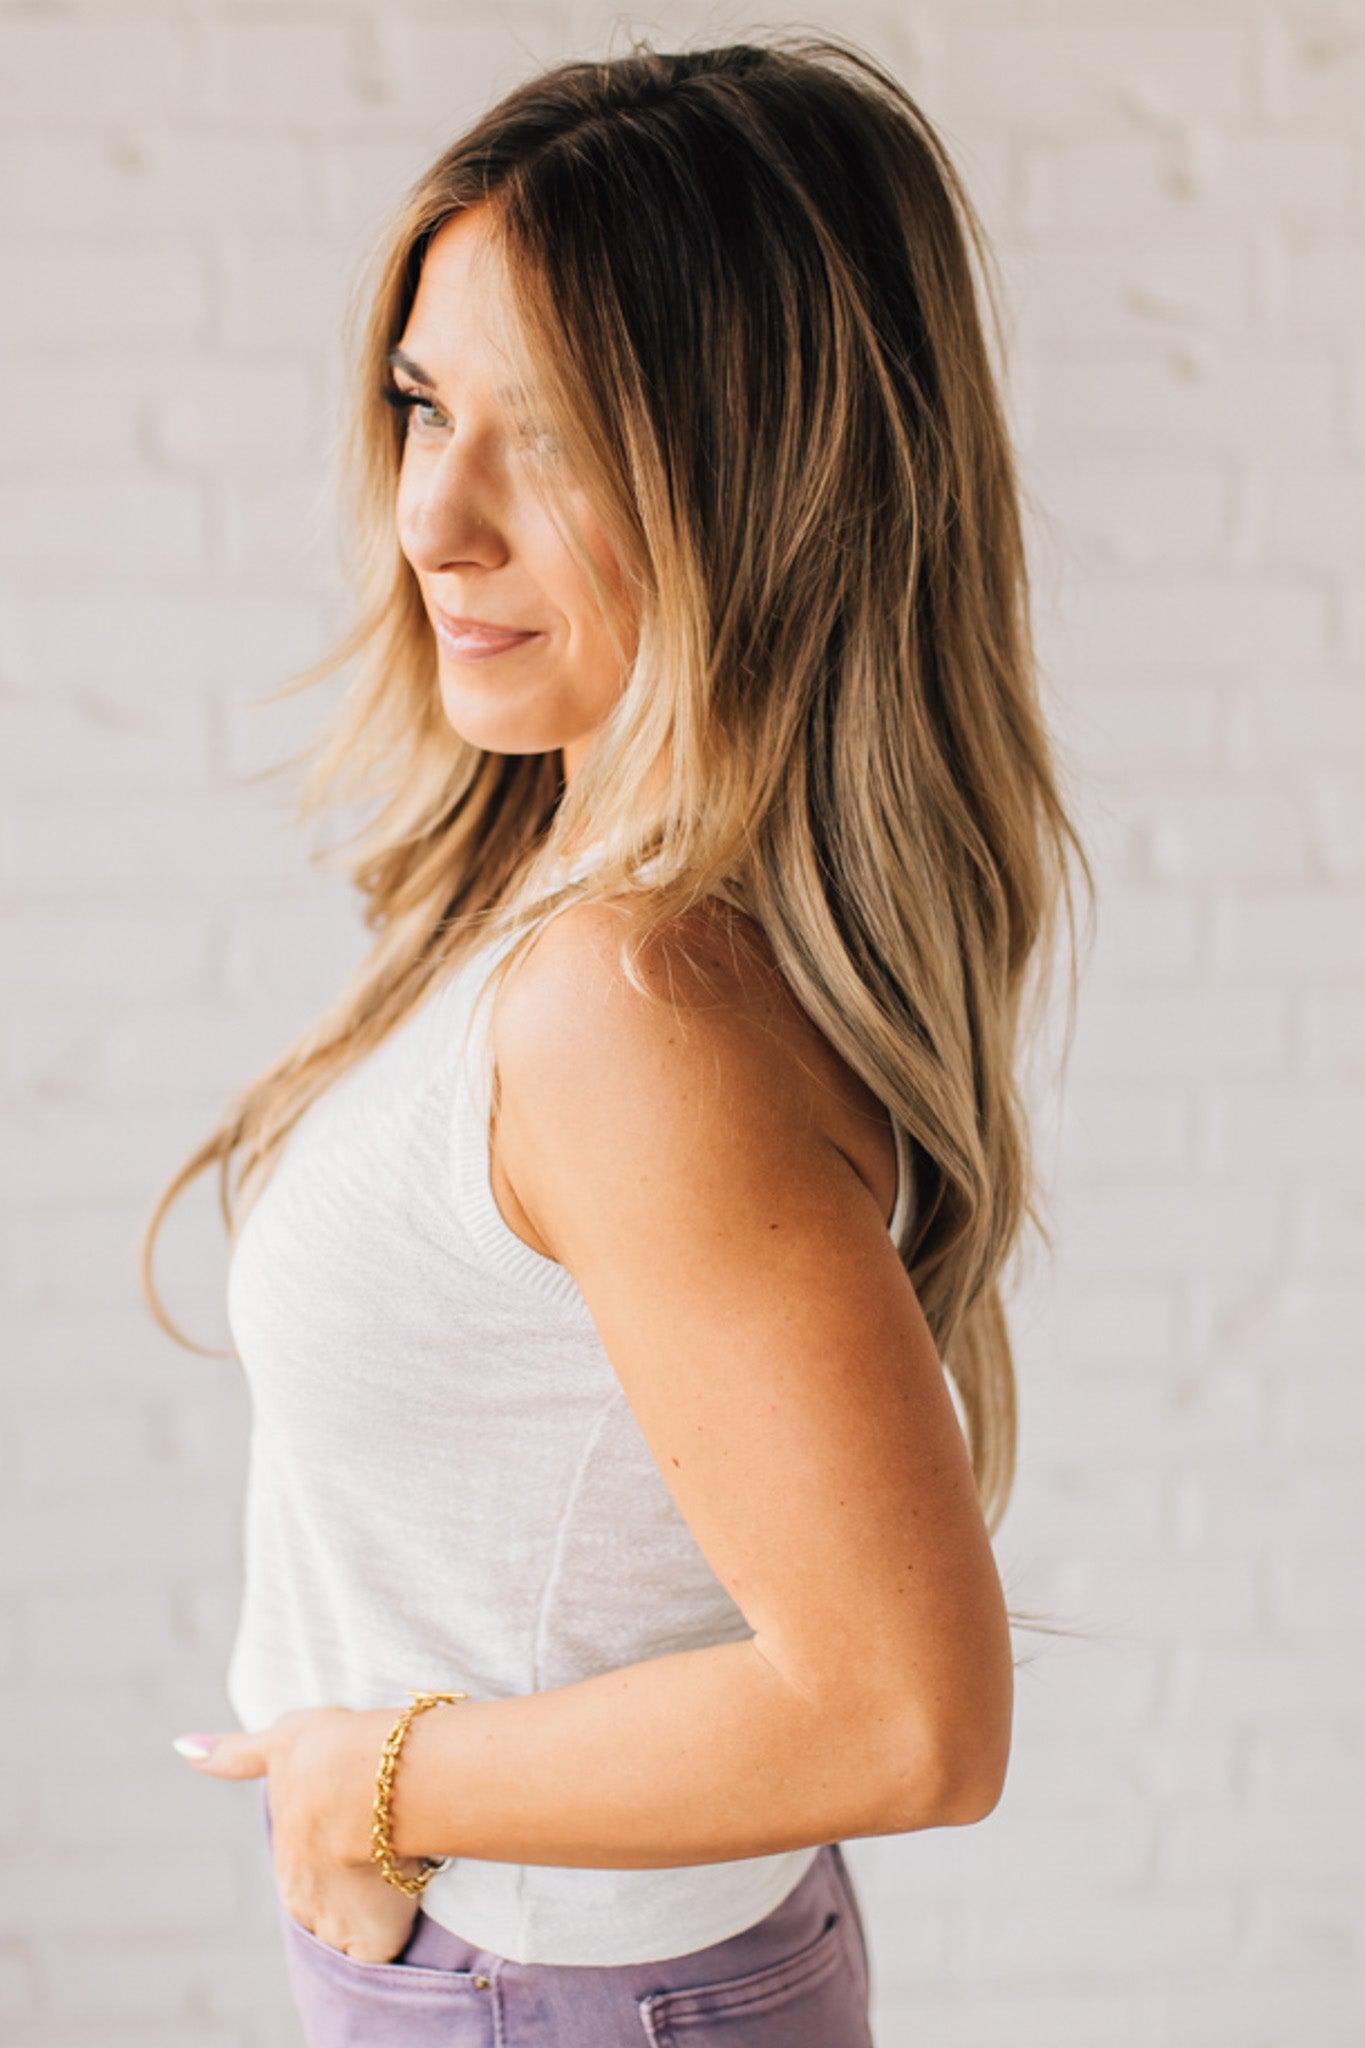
point(472, 639)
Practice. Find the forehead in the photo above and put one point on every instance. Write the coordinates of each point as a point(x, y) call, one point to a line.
point(461, 314)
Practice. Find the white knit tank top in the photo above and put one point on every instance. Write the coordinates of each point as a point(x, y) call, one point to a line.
point(446, 1486)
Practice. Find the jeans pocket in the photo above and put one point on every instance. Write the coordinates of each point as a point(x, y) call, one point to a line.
point(344, 2002)
point(808, 1999)
point(396, 1969)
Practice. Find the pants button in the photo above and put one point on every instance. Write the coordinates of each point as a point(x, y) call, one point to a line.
point(482, 1983)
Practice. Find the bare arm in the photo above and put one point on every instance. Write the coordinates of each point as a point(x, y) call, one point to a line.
point(776, 1359)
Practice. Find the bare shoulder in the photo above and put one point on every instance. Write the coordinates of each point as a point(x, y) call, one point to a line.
point(710, 975)
point(716, 1042)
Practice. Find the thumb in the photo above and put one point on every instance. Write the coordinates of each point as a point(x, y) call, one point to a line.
point(223, 1756)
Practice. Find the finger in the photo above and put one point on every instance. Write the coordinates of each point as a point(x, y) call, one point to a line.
point(223, 1756)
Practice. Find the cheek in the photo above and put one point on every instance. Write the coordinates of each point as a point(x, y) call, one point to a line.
point(605, 559)
point(615, 594)
point(559, 573)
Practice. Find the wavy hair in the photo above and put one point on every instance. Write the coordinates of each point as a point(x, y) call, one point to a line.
point(745, 283)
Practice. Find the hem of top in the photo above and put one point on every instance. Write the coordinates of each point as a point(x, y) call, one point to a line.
point(718, 1930)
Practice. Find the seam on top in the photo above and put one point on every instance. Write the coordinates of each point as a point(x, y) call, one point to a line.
point(543, 1606)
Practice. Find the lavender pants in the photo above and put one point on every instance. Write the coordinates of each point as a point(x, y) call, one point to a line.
point(797, 1979)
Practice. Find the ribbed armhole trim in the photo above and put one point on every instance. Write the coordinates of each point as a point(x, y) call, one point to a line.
point(493, 1235)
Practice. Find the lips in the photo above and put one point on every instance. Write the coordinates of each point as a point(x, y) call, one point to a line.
point(478, 634)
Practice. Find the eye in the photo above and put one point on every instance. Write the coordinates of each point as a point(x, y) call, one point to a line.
point(404, 401)
point(538, 443)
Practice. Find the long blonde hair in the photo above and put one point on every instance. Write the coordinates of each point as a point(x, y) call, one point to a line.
point(745, 298)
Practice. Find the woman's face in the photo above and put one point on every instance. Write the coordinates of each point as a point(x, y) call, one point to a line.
point(483, 545)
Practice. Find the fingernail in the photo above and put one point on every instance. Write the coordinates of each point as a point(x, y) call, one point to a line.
point(195, 1746)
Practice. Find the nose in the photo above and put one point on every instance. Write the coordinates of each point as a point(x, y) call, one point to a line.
point(447, 515)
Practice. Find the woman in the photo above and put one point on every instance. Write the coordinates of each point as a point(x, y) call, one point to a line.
point(603, 1338)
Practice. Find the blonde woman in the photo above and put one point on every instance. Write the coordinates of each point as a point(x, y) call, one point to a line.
point(605, 1263)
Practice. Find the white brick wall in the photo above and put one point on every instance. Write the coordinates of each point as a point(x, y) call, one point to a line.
point(1178, 196)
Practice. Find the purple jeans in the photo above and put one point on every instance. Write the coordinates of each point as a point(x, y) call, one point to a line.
point(797, 1979)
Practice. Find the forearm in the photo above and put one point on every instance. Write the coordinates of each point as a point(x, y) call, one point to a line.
point(696, 1757)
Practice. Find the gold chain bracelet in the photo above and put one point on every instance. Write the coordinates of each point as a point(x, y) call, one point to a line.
point(381, 1844)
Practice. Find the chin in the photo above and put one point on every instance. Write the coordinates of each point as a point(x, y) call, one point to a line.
point(497, 724)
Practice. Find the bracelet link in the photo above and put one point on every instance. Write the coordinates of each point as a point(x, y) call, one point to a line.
point(381, 1842)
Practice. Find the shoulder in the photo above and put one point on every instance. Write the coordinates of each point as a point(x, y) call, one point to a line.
point(706, 1095)
point(654, 1114)
point(707, 986)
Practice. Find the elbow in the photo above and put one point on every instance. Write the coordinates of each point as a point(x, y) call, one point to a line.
point(944, 1784)
point(971, 1794)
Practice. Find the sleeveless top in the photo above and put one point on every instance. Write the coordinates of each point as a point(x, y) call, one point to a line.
point(446, 1487)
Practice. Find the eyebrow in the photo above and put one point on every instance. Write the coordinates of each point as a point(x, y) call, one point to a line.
point(400, 360)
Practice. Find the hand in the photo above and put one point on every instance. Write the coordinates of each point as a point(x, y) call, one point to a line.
point(324, 1884)
point(351, 1909)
